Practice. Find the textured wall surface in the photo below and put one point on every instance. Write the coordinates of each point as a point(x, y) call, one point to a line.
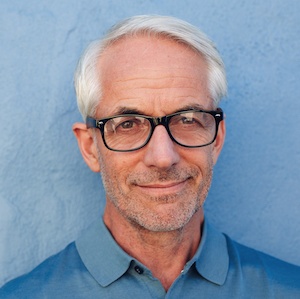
point(47, 193)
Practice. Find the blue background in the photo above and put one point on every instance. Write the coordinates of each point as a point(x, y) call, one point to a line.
point(47, 193)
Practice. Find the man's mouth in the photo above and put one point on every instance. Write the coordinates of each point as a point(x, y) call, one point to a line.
point(163, 188)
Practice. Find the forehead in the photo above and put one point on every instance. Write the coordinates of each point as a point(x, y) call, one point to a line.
point(151, 73)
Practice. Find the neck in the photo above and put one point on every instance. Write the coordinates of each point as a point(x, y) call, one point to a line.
point(154, 249)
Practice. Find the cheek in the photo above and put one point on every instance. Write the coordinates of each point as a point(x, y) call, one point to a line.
point(115, 167)
point(201, 158)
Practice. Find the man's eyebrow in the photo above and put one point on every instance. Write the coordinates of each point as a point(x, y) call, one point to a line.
point(127, 110)
point(190, 107)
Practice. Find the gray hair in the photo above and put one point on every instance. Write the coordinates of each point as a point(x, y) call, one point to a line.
point(87, 78)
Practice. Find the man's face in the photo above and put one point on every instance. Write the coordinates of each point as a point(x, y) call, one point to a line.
point(162, 185)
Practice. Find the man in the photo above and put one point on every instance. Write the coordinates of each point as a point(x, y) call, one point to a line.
point(149, 94)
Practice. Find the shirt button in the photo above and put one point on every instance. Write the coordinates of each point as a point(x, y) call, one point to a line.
point(138, 270)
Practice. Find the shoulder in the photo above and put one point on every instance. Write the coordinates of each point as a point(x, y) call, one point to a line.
point(57, 271)
point(240, 269)
point(261, 268)
point(252, 258)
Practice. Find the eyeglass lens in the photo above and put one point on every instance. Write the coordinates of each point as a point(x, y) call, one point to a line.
point(192, 128)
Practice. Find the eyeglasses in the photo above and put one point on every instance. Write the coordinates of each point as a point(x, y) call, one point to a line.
point(130, 132)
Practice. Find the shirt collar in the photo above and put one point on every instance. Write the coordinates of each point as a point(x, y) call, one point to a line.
point(101, 255)
point(107, 262)
point(212, 259)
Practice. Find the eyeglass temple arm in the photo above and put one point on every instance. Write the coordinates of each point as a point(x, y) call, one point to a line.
point(91, 123)
point(219, 114)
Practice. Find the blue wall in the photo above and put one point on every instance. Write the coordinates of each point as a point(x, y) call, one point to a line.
point(47, 193)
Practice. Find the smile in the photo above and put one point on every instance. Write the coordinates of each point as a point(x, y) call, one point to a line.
point(163, 188)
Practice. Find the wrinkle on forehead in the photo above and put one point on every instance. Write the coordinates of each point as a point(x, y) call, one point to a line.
point(155, 71)
point(148, 52)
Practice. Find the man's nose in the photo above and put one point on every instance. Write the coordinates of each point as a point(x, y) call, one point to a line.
point(161, 150)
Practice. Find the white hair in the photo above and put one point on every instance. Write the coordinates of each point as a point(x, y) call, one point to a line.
point(87, 76)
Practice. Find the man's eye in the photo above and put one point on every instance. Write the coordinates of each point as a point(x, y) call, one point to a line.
point(188, 120)
point(127, 124)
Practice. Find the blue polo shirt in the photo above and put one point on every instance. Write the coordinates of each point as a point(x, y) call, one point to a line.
point(96, 267)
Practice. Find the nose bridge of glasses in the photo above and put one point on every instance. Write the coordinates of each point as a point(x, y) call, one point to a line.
point(159, 121)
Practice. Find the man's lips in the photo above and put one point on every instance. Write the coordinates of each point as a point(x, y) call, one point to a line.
point(165, 187)
point(160, 185)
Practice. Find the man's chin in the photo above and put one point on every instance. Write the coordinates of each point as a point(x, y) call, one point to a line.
point(167, 222)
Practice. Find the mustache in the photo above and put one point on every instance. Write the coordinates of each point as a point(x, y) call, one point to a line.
point(155, 176)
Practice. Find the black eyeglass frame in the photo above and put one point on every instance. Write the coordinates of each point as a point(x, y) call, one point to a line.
point(155, 121)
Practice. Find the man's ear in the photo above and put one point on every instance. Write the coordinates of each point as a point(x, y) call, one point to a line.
point(219, 142)
point(86, 145)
